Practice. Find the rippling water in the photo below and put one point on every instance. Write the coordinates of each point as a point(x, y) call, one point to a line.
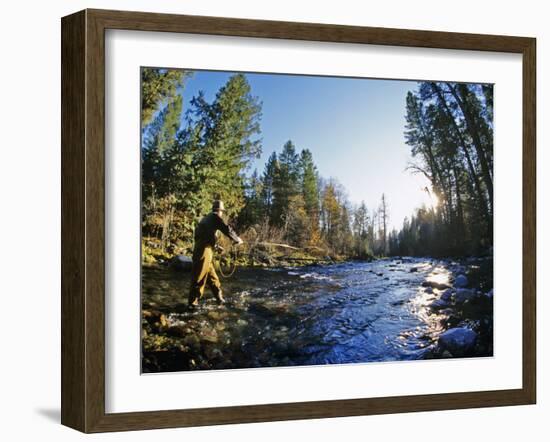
point(344, 313)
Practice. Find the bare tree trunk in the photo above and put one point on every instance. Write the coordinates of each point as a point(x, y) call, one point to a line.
point(459, 209)
point(463, 145)
point(460, 98)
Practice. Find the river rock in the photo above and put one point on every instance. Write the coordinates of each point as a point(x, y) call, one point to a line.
point(439, 304)
point(453, 320)
point(447, 295)
point(176, 331)
point(216, 315)
point(155, 318)
point(181, 263)
point(213, 353)
point(192, 341)
point(413, 269)
point(463, 295)
point(209, 336)
point(459, 341)
point(461, 281)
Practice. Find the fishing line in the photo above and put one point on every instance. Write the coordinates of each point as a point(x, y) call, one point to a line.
point(232, 257)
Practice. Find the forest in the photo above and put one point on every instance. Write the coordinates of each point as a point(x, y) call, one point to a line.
point(208, 151)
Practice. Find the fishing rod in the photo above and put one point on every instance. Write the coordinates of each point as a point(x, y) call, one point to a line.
point(226, 262)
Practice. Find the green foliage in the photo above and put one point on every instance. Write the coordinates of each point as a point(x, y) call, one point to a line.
point(192, 156)
point(184, 170)
point(157, 87)
point(268, 183)
point(285, 184)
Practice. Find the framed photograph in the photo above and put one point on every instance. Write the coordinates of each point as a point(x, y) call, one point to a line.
point(267, 220)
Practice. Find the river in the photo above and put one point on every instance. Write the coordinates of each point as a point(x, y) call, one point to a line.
point(343, 313)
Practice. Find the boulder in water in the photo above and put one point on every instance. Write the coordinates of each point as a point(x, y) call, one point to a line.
point(447, 295)
point(461, 281)
point(439, 304)
point(181, 263)
point(459, 341)
point(209, 335)
point(463, 295)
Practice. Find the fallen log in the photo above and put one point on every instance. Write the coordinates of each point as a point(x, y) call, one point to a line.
point(272, 244)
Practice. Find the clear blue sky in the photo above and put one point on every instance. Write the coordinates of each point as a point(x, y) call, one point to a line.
point(353, 127)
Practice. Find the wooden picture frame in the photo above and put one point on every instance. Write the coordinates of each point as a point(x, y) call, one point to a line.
point(83, 220)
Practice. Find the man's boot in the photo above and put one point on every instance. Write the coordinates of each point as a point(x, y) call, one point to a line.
point(220, 298)
point(193, 301)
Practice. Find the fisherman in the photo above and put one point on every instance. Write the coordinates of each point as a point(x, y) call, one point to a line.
point(202, 271)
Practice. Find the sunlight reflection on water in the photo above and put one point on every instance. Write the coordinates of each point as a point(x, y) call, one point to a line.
point(420, 304)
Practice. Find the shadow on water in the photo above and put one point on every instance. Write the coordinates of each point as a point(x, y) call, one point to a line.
point(343, 313)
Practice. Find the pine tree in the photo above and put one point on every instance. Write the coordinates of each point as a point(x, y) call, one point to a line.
point(223, 138)
point(268, 180)
point(157, 193)
point(254, 210)
point(158, 86)
point(285, 183)
point(450, 132)
point(309, 183)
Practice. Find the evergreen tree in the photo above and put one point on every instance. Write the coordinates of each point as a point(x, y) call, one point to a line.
point(223, 138)
point(268, 182)
point(158, 86)
point(285, 183)
point(361, 237)
point(450, 131)
point(157, 194)
point(254, 209)
point(309, 182)
point(184, 170)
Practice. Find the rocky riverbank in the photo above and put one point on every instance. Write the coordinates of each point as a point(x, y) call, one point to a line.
point(257, 254)
point(391, 309)
point(465, 308)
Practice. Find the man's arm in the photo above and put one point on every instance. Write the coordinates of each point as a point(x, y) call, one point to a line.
point(227, 230)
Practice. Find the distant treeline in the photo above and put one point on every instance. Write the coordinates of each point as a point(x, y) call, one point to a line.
point(290, 202)
point(192, 156)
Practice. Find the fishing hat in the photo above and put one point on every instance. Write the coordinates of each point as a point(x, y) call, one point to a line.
point(217, 205)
